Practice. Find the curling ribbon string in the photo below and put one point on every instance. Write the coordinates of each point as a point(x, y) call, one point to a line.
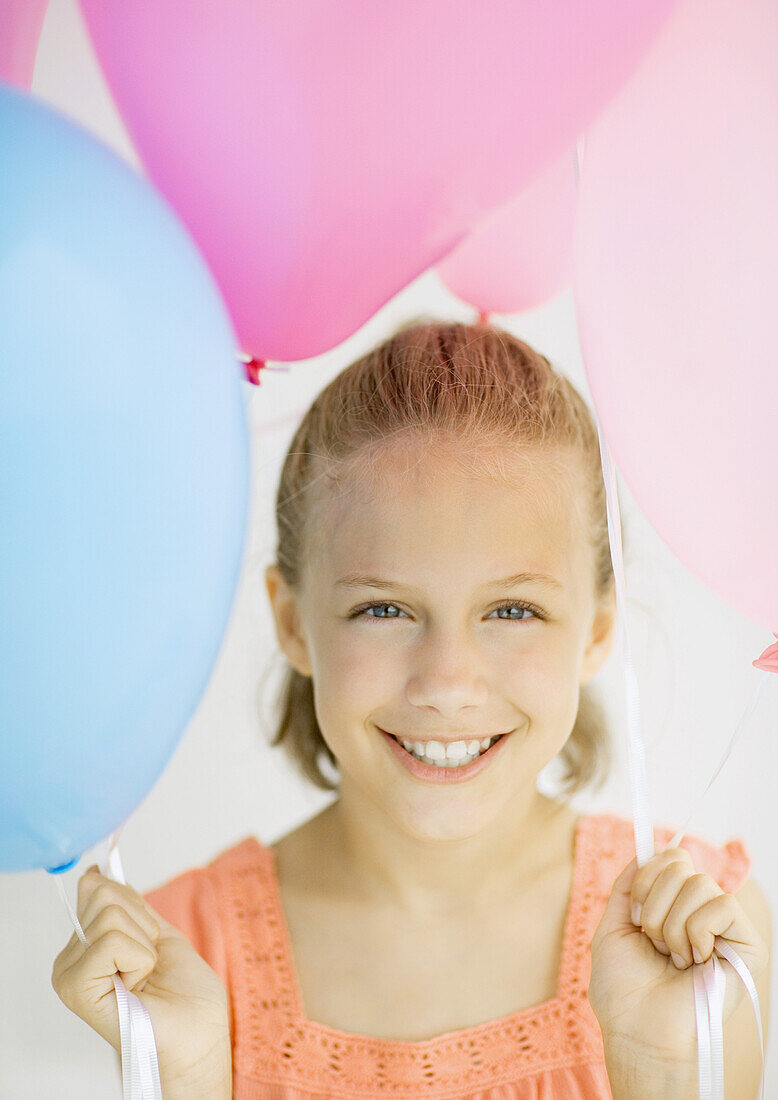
point(708, 1003)
point(760, 662)
point(643, 826)
point(140, 1067)
point(709, 978)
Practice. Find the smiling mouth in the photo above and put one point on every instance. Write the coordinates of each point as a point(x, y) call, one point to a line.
point(439, 754)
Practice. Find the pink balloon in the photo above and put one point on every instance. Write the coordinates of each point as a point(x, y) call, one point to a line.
point(522, 255)
point(676, 287)
point(325, 154)
point(21, 22)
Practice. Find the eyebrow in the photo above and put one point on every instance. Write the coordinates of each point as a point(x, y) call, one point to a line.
point(360, 580)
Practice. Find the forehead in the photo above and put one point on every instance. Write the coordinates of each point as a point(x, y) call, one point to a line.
point(422, 516)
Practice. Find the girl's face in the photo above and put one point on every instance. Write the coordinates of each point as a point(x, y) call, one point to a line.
point(424, 651)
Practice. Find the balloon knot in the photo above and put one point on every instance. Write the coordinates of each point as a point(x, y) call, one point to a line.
point(253, 367)
point(768, 661)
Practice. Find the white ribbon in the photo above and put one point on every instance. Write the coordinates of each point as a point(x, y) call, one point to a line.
point(644, 832)
point(744, 973)
point(703, 1032)
point(140, 1068)
point(709, 977)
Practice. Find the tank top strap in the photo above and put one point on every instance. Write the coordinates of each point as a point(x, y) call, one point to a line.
point(276, 1045)
point(605, 844)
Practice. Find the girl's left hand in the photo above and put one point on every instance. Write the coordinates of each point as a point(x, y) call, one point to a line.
point(638, 993)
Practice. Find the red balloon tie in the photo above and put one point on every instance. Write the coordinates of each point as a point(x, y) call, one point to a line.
point(483, 316)
point(769, 659)
point(254, 366)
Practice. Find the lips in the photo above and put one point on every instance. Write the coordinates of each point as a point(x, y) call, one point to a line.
point(429, 773)
point(443, 740)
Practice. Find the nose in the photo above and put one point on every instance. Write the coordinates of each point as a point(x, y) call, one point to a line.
point(447, 676)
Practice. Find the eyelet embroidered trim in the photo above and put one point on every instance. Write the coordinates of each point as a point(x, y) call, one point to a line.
point(275, 1043)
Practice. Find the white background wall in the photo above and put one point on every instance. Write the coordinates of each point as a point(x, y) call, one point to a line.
point(693, 655)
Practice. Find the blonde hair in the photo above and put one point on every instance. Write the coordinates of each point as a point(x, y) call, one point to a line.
point(438, 381)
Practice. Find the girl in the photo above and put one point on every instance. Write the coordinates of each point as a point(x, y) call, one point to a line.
point(443, 592)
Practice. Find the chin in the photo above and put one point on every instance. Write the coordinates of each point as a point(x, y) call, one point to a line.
point(432, 823)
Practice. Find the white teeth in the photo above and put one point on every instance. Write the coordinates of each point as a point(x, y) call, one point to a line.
point(452, 755)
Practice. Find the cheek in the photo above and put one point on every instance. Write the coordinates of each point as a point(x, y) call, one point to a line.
point(545, 687)
point(354, 650)
point(347, 675)
point(543, 680)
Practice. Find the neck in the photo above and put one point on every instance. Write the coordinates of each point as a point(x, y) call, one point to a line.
point(380, 863)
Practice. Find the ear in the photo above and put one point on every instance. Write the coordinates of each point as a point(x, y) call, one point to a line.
point(601, 636)
point(291, 638)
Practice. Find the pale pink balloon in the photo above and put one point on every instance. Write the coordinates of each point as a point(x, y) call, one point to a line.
point(521, 255)
point(21, 22)
point(323, 155)
point(676, 288)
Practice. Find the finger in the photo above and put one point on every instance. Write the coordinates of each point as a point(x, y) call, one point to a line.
point(646, 876)
point(724, 916)
point(116, 917)
point(615, 918)
point(622, 884)
point(696, 892)
point(95, 892)
point(68, 955)
point(87, 982)
point(625, 875)
point(662, 895)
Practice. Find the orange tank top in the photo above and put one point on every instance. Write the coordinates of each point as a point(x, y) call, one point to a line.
point(231, 912)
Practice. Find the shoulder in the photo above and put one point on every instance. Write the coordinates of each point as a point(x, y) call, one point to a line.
point(195, 885)
point(194, 900)
point(610, 845)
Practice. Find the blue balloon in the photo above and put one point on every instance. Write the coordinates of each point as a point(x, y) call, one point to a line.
point(124, 485)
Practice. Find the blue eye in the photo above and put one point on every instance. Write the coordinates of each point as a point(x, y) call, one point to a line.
point(521, 605)
point(359, 612)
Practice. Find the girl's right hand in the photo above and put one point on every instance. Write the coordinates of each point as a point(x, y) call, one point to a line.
point(185, 998)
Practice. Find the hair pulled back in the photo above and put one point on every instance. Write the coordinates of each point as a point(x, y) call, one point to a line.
point(438, 381)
